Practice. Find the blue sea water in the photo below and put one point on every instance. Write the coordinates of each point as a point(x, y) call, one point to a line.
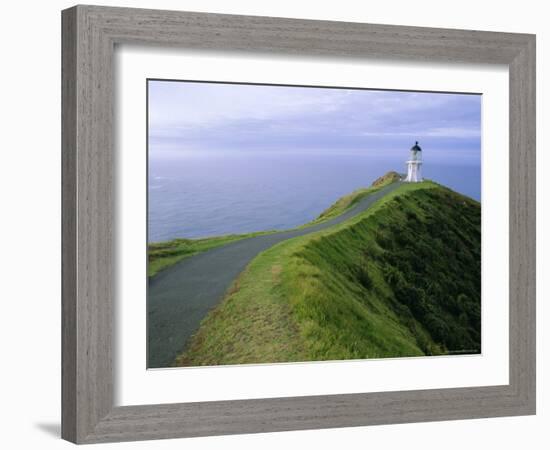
point(221, 193)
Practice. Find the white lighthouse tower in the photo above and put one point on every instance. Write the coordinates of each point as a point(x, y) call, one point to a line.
point(414, 165)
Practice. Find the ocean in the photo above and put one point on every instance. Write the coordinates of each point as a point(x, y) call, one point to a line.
point(213, 194)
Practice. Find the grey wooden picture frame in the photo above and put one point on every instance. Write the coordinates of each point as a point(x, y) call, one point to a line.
point(89, 36)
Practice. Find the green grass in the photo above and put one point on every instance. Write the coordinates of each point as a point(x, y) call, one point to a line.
point(347, 202)
point(400, 279)
point(165, 254)
point(254, 323)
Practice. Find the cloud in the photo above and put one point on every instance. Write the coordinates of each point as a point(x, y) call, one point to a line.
point(202, 117)
point(449, 132)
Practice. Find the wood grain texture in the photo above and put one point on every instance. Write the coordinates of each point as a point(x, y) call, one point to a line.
point(89, 36)
point(68, 226)
point(523, 224)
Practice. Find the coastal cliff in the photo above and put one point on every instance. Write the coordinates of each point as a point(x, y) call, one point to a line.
point(402, 278)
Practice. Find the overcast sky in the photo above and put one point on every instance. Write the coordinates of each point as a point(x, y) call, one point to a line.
point(190, 117)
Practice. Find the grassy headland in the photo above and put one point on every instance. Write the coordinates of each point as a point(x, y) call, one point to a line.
point(399, 279)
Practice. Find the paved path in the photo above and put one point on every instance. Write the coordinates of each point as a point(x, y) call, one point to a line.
point(180, 296)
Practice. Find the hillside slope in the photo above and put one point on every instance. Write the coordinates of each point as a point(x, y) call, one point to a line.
point(401, 279)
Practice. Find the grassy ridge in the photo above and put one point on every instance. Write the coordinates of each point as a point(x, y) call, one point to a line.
point(349, 201)
point(413, 267)
point(400, 279)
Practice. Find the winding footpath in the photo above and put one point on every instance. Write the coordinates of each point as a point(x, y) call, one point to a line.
point(180, 296)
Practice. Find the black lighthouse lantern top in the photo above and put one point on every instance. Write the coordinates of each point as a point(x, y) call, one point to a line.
point(416, 147)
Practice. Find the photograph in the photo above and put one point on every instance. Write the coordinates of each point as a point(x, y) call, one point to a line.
point(308, 223)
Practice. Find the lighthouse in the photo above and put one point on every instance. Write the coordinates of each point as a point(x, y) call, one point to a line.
point(414, 165)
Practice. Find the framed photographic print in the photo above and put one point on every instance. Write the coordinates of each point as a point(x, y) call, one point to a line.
point(255, 209)
point(263, 197)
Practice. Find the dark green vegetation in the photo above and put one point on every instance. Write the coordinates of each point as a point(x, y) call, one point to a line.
point(433, 268)
point(402, 278)
point(164, 254)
